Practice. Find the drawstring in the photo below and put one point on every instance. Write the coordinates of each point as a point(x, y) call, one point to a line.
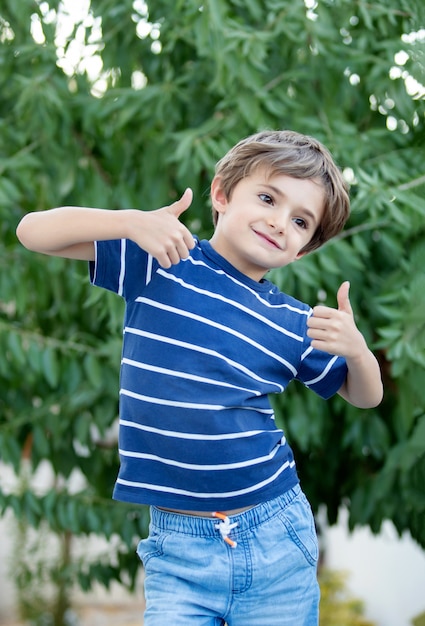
point(225, 527)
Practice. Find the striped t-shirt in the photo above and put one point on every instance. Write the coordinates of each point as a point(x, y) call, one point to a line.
point(203, 347)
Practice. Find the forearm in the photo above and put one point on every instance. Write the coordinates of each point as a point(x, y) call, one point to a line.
point(71, 231)
point(363, 385)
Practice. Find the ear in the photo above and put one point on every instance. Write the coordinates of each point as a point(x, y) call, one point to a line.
point(218, 197)
point(300, 255)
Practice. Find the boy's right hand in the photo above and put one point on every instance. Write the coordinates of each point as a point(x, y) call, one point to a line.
point(160, 232)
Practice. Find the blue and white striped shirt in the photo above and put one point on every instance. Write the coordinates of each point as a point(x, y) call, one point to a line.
point(204, 346)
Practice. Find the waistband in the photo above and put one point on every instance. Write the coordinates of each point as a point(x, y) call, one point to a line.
point(197, 526)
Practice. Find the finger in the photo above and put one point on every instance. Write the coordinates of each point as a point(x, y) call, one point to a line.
point(167, 256)
point(174, 256)
point(317, 321)
point(321, 312)
point(183, 247)
point(163, 260)
point(343, 298)
point(317, 334)
point(179, 248)
point(181, 205)
point(188, 239)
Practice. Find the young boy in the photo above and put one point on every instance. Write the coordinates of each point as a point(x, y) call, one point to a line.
point(206, 340)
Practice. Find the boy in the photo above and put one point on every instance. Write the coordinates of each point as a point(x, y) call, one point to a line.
point(206, 339)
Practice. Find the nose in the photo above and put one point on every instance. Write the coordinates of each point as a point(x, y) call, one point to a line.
point(277, 223)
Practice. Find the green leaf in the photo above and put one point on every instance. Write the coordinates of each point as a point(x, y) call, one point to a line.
point(93, 370)
point(50, 367)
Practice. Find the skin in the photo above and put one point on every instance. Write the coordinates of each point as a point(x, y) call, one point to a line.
point(265, 224)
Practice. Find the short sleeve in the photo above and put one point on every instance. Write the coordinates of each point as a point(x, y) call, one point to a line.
point(320, 371)
point(121, 266)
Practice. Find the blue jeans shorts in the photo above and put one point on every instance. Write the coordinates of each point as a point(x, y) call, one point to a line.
point(194, 577)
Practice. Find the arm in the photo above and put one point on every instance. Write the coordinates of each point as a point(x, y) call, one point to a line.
point(335, 331)
point(71, 231)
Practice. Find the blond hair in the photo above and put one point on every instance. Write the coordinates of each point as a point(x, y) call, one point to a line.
point(292, 154)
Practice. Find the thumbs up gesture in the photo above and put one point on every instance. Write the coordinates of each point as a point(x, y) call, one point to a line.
point(161, 233)
point(334, 330)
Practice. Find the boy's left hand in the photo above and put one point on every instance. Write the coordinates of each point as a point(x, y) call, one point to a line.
point(334, 330)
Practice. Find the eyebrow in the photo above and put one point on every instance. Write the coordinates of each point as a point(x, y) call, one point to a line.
point(279, 192)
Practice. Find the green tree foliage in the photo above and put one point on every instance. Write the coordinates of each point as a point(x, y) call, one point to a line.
point(128, 106)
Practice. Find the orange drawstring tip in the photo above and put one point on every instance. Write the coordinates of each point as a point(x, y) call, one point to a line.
point(231, 543)
point(225, 527)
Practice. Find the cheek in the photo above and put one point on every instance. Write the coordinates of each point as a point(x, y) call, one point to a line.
point(236, 220)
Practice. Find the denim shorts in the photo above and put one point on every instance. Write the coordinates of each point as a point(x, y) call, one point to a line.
point(194, 577)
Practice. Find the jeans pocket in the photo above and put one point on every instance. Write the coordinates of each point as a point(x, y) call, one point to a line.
point(150, 547)
point(298, 520)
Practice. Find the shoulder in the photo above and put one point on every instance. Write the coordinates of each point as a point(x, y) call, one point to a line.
point(275, 297)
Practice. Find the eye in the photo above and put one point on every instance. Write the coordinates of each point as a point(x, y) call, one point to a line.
point(265, 197)
point(299, 221)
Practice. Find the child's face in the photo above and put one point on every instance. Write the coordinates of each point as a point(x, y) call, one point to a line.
point(267, 221)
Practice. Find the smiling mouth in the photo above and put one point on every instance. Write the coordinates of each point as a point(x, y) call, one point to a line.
point(268, 240)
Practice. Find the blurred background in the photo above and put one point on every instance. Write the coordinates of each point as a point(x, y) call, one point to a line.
point(125, 104)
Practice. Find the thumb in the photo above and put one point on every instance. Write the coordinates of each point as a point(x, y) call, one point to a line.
point(178, 207)
point(343, 298)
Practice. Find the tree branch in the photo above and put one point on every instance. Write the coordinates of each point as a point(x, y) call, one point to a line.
point(416, 182)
